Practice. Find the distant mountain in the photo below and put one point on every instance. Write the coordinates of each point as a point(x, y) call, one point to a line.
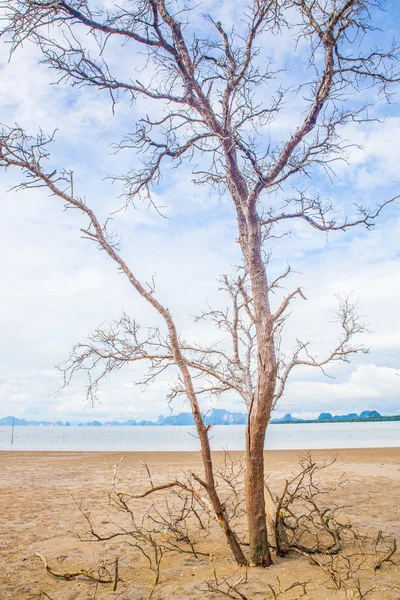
point(349, 416)
point(325, 417)
point(13, 421)
point(181, 419)
point(217, 416)
point(369, 414)
point(366, 414)
point(23, 423)
point(286, 419)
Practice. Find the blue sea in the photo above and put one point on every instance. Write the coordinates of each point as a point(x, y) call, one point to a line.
point(300, 436)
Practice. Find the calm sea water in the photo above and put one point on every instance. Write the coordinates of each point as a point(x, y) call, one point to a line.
point(280, 437)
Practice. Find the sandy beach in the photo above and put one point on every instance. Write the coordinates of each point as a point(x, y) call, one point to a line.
point(41, 493)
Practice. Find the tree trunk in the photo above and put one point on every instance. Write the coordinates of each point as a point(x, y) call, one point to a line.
point(260, 554)
point(262, 401)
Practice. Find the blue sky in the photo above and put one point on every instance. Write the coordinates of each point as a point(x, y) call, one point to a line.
point(56, 287)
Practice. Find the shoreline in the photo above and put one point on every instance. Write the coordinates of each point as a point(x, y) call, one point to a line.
point(288, 451)
point(269, 451)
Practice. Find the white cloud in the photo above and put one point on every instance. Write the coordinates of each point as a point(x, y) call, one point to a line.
point(375, 155)
point(56, 287)
point(368, 388)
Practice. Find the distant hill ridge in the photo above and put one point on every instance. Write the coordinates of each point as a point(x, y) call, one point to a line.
point(217, 416)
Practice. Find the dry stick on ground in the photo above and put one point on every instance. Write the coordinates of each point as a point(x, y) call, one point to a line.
point(386, 557)
point(352, 569)
point(277, 591)
point(140, 537)
point(225, 588)
point(73, 574)
point(115, 473)
point(229, 588)
point(148, 534)
point(153, 553)
point(116, 573)
point(45, 594)
point(95, 591)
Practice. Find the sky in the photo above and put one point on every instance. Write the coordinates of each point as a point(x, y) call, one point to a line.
point(57, 287)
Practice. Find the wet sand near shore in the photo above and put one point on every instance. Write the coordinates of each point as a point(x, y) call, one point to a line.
point(41, 492)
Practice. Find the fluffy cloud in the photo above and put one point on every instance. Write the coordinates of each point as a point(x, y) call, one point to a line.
point(368, 387)
point(56, 287)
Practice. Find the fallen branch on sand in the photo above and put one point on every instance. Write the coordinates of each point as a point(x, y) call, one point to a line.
point(81, 573)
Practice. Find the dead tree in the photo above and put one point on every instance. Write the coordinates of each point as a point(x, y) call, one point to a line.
point(218, 99)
